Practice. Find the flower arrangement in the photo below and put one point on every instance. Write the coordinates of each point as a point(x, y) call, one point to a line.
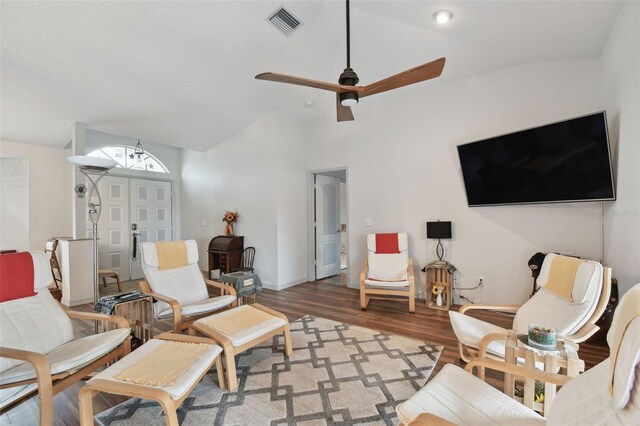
point(230, 217)
point(437, 290)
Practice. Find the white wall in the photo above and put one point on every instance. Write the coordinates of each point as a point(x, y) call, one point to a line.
point(291, 208)
point(14, 202)
point(237, 174)
point(50, 191)
point(404, 170)
point(621, 77)
point(260, 172)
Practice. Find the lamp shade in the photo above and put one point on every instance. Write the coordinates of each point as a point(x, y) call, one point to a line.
point(93, 163)
point(438, 230)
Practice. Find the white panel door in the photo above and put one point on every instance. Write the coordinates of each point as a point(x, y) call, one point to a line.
point(151, 216)
point(113, 228)
point(327, 213)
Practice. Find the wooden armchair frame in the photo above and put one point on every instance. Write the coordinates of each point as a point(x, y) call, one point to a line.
point(168, 404)
point(379, 293)
point(428, 419)
point(49, 384)
point(180, 322)
point(587, 330)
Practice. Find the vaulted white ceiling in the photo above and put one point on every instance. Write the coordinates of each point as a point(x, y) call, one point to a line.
point(181, 73)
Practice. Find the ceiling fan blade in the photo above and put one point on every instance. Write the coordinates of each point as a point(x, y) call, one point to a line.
point(343, 112)
point(420, 73)
point(282, 78)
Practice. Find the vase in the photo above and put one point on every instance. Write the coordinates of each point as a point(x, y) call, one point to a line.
point(228, 230)
point(439, 299)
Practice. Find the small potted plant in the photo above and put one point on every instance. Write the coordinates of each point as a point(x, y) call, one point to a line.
point(542, 337)
point(230, 217)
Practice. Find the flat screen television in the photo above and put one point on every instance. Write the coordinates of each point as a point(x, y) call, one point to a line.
point(567, 161)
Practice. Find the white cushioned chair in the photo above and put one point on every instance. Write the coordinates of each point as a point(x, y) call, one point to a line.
point(182, 292)
point(456, 397)
point(387, 274)
point(38, 350)
point(574, 321)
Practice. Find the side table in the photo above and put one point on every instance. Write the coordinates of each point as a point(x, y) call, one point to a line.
point(138, 311)
point(247, 285)
point(563, 361)
point(439, 276)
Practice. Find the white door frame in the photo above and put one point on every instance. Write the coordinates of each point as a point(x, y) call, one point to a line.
point(311, 244)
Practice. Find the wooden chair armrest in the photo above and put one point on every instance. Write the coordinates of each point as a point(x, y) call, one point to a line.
point(226, 288)
point(586, 331)
point(518, 370)
point(501, 308)
point(363, 272)
point(43, 377)
point(410, 273)
point(120, 321)
point(428, 419)
point(39, 361)
point(486, 340)
point(175, 305)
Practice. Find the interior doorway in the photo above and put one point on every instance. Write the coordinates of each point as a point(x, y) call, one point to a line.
point(329, 242)
point(133, 211)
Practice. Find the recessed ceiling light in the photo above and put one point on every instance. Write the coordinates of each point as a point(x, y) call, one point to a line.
point(443, 16)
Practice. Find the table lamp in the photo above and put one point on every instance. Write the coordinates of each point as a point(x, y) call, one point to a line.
point(439, 231)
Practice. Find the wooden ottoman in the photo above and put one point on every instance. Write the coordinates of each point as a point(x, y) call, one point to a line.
point(122, 378)
point(242, 328)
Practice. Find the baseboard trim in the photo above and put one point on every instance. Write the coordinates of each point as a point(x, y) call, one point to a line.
point(292, 284)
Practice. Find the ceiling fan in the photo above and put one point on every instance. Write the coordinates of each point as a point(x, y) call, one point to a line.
point(347, 93)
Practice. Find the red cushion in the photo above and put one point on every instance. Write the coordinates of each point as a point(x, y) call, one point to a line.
point(387, 244)
point(16, 276)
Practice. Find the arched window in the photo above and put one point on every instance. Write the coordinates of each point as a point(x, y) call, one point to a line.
point(126, 159)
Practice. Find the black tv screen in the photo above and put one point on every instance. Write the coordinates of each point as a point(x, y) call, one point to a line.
point(567, 161)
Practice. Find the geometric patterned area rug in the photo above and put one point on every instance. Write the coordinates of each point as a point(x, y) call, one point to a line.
point(338, 374)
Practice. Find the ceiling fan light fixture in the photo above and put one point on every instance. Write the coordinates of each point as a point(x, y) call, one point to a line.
point(349, 99)
point(443, 16)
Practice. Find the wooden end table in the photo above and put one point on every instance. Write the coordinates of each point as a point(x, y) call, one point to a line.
point(139, 313)
point(563, 361)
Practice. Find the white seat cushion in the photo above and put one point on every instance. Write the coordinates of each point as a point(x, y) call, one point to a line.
point(462, 398)
point(470, 331)
point(376, 283)
point(241, 337)
point(551, 310)
point(182, 384)
point(388, 267)
point(71, 355)
point(207, 305)
point(35, 323)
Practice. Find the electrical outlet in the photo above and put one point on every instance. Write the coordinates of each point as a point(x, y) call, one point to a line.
point(368, 221)
point(203, 222)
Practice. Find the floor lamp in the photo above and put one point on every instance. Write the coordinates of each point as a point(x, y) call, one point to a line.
point(94, 169)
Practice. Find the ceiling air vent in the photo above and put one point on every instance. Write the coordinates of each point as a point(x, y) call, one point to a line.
point(284, 21)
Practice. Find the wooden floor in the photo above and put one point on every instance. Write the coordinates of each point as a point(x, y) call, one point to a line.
point(329, 299)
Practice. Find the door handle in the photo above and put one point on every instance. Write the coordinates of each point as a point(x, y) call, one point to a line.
point(134, 248)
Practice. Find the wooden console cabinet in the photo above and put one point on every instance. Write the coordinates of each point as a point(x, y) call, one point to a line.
point(225, 253)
